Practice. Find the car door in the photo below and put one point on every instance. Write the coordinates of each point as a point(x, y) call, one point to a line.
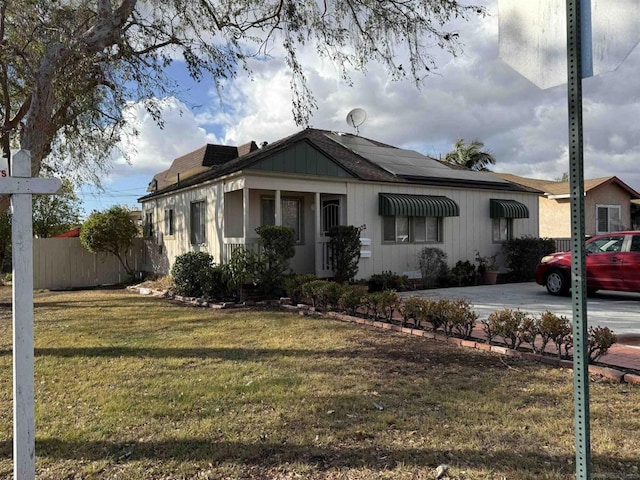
point(631, 265)
point(604, 263)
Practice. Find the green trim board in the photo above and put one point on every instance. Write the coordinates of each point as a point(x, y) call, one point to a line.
point(407, 205)
point(499, 208)
point(301, 158)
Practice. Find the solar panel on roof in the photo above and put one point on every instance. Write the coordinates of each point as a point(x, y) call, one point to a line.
point(408, 163)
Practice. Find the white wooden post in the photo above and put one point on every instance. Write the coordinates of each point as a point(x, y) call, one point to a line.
point(21, 187)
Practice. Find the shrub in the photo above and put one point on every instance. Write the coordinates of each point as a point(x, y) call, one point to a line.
point(344, 251)
point(438, 312)
point(323, 293)
point(292, 285)
point(388, 280)
point(433, 266)
point(277, 246)
point(459, 318)
point(552, 328)
point(413, 308)
point(599, 340)
point(381, 304)
point(215, 284)
point(189, 272)
point(522, 255)
point(510, 325)
point(351, 297)
point(463, 274)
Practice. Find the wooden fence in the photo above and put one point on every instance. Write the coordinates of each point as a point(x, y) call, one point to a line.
point(63, 263)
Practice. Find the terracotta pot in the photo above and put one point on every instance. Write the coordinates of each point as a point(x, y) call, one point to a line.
point(489, 277)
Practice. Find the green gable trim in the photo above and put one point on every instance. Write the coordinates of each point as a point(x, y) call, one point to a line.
point(302, 159)
point(406, 205)
point(507, 209)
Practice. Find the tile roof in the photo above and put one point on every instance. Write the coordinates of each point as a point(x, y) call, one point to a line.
point(325, 142)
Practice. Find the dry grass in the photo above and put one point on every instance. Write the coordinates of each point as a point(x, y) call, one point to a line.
point(132, 387)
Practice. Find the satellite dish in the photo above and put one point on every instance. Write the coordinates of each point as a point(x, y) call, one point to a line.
point(356, 117)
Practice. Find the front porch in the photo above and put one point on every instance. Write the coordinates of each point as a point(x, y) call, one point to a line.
point(310, 214)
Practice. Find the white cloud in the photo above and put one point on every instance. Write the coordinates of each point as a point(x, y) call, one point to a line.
point(474, 96)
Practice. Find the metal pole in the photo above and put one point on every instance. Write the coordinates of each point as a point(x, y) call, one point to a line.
point(578, 268)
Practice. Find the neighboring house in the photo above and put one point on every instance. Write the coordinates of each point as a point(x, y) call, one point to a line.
point(607, 205)
point(214, 198)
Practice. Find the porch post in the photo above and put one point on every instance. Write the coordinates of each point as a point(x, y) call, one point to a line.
point(245, 213)
point(278, 209)
point(318, 234)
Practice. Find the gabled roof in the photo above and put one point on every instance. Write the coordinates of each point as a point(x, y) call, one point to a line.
point(198, 161)
point(362, 159)
point(562, 189)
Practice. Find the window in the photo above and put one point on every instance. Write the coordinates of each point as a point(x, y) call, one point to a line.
point(608, 219)
point(502, 229)
point(198, 222)
point(291, 209)
point(400, 229)
point(168, 222)
point(149, 230)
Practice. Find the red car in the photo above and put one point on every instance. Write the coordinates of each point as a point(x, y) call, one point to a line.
point(613, 263)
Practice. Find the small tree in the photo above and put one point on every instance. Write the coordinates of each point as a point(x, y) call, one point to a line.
point(111, 231)
point(344, 248)
point(55, 214)
point(277, 247)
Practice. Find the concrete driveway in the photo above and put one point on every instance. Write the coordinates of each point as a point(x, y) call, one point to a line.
point(620, 311)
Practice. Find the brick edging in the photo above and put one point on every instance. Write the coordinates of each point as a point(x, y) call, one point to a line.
point(608, 373)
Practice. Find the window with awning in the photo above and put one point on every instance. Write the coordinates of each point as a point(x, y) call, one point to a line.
point(407, 205)
point(499, 208)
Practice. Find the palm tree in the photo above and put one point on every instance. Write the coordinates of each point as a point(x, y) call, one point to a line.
point(470, 155)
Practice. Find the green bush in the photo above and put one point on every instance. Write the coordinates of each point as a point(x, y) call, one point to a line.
point(292, 285)
point(415, 309)
point(512, 325)
point(522, 255)
point(381, 305)
point(215, 283)
point(189, 272)
point(463, 274)
point(344, 251)
point(433, 266)
point(599, 340)
point(459, 319)
point(276, 248)
point(351, 298)
point(552, 329)
point(388, 280)
point(323, 293)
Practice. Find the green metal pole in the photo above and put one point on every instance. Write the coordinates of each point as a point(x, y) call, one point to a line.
point(578, 268)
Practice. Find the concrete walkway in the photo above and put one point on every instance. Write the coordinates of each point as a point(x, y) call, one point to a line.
point(617, 310)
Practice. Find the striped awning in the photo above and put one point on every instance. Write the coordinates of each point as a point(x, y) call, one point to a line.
point(507, 209)
point(406, 205)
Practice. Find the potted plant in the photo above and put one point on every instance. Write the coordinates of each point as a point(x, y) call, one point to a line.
point(487, 268)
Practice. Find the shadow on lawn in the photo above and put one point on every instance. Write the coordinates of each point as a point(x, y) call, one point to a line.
point(267, 454)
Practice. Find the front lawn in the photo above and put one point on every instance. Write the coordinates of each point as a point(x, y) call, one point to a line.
point(133, 387)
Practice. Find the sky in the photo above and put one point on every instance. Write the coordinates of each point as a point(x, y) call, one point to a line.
point(475, 95)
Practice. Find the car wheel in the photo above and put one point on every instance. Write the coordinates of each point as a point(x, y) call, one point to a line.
point(556, 283)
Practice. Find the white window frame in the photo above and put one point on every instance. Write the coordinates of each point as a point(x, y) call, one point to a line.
point(501, 229)
point(610, 228)
point(198, 237)
point(410, 235)
point(169, 222)
point(149, 227)
point(272, 221)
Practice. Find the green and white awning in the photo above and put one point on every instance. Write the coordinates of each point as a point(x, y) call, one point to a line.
point(507, 209)
point(406, 205)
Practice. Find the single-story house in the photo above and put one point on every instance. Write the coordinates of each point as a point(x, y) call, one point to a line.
point(214, 198)
point(607, 205)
